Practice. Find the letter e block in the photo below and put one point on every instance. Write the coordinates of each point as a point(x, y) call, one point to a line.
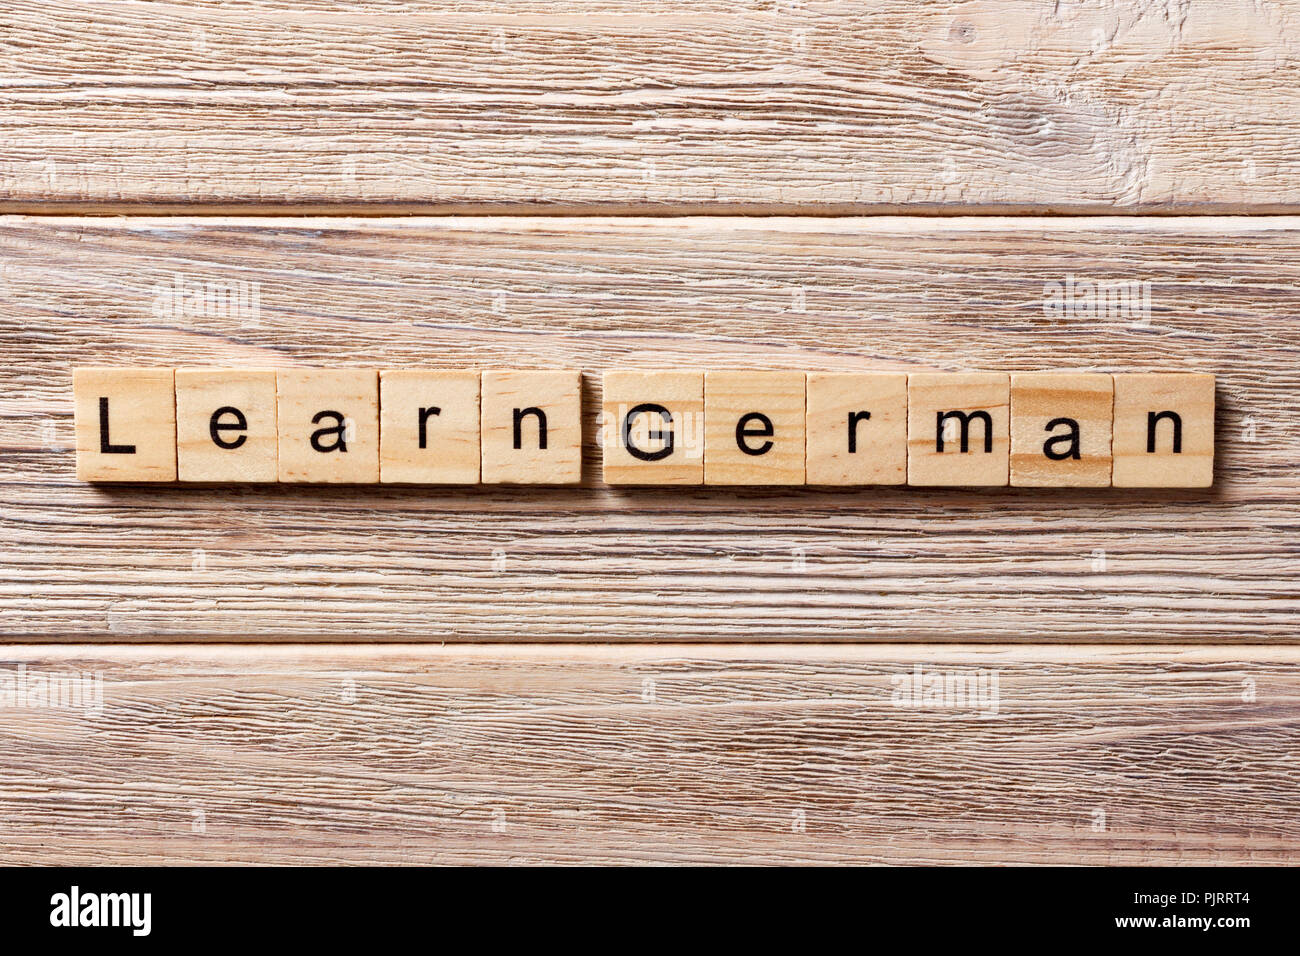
point(328, 421)
point(958, 428)
point(532, 427)
point(754, 428)
point(1164, 430)
point(225, 425)
point(429, 426)
point(1060, 429)
point(125, 423)
point(857, 428)
point(653, 428)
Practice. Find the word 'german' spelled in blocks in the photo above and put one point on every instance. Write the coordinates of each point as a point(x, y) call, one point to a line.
point(673, 427)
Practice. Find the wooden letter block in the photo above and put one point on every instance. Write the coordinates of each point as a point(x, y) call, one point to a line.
point(429, 426)
point(126, 424)
point(753, 428)
point(532, 427)
point(958, 428)
point(653, 428)
point(857, 428)
point(328, 425)
point(225, 425)
point(1164, 430)
point(1060, 429)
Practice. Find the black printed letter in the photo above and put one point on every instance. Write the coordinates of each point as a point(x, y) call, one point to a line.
point(965, 430)
point(541, 426)
point(216, 426)
point(664, 436)
point(764, 430)
point(336, 430)
point(1049, 446)
point(1153, 419)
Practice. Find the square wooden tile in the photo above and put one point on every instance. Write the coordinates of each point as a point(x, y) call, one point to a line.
point(958, 428)
point(857, 428)
point(125, 424)
point(1060, 429)
point(1164, 430)
point(429, 426)
point(532, 427)
point(225, 425)
point(653, 427)
point(328, 422)
point(754, 428)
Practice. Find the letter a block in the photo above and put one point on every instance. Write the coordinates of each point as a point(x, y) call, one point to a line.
point(225, 425)
point(328, 421)
point(754, 428)
point(1060, 429)
point(857, 428)
point(429, 426)
point(653, 428)
point(126, 424)
point(1164, 430)
point(958, 428)
point(532, 427)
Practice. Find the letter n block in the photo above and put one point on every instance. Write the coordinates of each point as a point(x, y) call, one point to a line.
point(958, 428)
point(125, 424)
point(857, 428)
point(754, 428)
point(532, 427)
point(328, 422)
point(1061, 429)
point(429, 426)
point(1164, 430)
point(225, 425)
point(653, 428)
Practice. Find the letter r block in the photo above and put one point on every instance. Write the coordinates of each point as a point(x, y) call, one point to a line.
point(958, 428)
point(225, 425)
point(532, 427)
point(328, 422)
point(125, 424)
point(429, 426)
point(754, 426)
point(857, 428)
point(1164, 430)
point(652, 425)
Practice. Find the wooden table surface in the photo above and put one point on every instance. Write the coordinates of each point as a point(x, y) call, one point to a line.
point(380, 674)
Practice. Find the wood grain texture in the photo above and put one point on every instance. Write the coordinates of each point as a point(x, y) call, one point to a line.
point(601, 105)
point(591, 563)
point(682, 754)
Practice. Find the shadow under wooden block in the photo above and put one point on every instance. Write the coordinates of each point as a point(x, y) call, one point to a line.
point(754, 428)
point(1061, 429)
point(429, 426)
point(958, 428)
point(125, 424)
point(225, 425)
point(857, 428)
point(328, 423)
point(531, 423)
point(653, 427)
point(1164, 430)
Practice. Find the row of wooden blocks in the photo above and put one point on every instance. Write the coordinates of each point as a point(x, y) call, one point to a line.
point(1066, 429)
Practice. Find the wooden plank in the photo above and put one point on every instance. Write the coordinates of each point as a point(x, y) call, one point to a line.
point(600, 105)
point(684, 754)
point(597, 564)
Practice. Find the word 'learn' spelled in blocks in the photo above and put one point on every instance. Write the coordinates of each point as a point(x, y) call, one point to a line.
point(680, 427)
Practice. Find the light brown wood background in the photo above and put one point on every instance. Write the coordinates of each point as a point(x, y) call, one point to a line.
point(623, 685)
